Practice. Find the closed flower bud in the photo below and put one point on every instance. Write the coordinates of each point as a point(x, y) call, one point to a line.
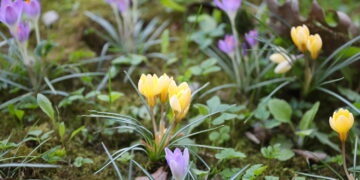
point(278, 58)
point(180, 99)
point(341, 122)
point(314, 45)
point(300, 36)
point(283, 67)
point(178, 162)
point(148, 86)
point(32, 8)
point(164, 82)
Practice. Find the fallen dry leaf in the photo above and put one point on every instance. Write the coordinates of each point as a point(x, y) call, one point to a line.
point(315, 156)
point(160, 174)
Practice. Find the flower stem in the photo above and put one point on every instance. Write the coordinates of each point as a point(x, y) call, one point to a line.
point(153, 120)
point(343, 152)
point(37, 31)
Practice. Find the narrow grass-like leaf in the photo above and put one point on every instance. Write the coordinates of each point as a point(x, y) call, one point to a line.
point(315, 176)
point(340, 98)
point(30, 165)
point(143, 170)
point(77, 75)
point(103, 23)
point(113, 162)
point(238, 173)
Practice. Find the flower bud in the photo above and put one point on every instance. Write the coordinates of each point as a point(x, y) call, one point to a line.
point(341, 122)
point(180, 99)
point(300, 35)
point(314, 45)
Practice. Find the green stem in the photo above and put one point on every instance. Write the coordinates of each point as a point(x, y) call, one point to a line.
point(37, 31)
point(153, 120)
point(343, 152)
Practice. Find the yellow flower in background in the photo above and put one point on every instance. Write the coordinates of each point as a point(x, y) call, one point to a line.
point(149, 87)
point(314, 45)
point(300, 36)
point(341, 122)
point(164, 82)
point(180, 99)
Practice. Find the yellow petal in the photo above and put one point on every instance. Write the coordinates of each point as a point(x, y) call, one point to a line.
point(282, 68)
point(277, 58)
point(175, 104)
point(314, 45)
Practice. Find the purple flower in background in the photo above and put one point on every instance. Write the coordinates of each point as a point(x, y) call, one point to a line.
point(22, 32)
point(178, 162)
point(32, 8)
point(122, 5)
point(229, 6)
point(251, 37)
point(228, 44)
point(10, 12)
point(244, 49)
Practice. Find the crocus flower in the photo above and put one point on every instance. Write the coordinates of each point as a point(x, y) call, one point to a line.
point(314, 45)
point(164, 82)
point(228, 44)
point(178, 162)
point(32, 8)
point(229, 6)
point(122, 5)
point(284, 62)
point(341, 122)
point(180, 99)
point(300, 36)
point(149, 87)
point(251, 37)
point(10, 12)
point(22, 32)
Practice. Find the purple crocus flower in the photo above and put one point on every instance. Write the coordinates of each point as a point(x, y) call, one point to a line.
point(32, 8)
point(229, 6)
point(228, 44)
point(22, 32)
point(251, 37)
point(178, 162)
point(122, 5)
point(10, 12)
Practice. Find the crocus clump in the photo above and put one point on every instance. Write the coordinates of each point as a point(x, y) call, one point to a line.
point(228, 44)
point(178, 162)
point(304, 41)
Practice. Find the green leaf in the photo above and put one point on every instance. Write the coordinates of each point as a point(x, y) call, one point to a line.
point(165, 41)
point(223, 117)
point(62, 130)
point(46, 106)
point(308, 117)
point(277, 152)
point(254, 171)
point(229, 154)
point(76, 132)
point(172, 5)
point(80, 161)
point(271, 178)
point(280, 109)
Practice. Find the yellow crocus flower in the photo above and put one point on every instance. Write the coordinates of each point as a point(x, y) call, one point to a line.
point(180, 99)
point(300, 35)
point(149, 87)
point(341, 122)
point(164, 82)
point(278, 58)
point(314, 45)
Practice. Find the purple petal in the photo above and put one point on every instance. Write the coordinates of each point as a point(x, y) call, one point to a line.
point(10, 16)
point(220, 5)
point(22, 32)
point(251, 37)
point(32, 8)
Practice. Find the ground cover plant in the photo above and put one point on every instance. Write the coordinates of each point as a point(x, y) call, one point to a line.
point(179, 89)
